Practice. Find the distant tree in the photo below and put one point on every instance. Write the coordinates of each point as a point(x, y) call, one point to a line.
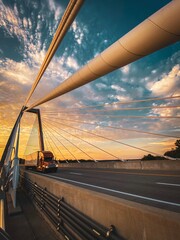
point(177, 144)
point(174, 153)
point(151, 157)
point(148, 157)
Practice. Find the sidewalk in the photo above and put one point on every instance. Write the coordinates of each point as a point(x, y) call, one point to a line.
point(27, 223)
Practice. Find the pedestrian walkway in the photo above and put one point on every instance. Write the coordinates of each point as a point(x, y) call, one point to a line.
point(26, 223)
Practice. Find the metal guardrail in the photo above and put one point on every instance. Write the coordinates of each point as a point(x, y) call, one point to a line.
point(3, 234)
point(2, 197)
point(2, 220)
point(72, 224)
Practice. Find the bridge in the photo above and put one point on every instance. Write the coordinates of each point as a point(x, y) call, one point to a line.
point(103, 189)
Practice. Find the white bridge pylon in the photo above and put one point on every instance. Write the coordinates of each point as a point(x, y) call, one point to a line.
point(10, 170)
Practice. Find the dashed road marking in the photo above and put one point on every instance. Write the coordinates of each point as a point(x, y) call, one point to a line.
point(168, 184)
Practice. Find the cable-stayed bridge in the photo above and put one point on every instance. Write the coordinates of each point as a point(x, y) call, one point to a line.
point(93, 133)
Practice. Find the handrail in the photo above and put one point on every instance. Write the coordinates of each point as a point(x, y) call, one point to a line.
point(3, 234)
point(2, 224)
point(2, 197)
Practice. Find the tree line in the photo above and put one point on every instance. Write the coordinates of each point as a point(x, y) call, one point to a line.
point(174, 153)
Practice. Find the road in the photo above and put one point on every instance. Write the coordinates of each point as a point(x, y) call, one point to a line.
point(155, 188)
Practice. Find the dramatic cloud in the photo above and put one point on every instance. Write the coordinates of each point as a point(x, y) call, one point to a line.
point(16, 71)
point(11, 22)
point(24, 71)
point(27, 29)
point(163, 112)
point(79, 31)
point(168, 84)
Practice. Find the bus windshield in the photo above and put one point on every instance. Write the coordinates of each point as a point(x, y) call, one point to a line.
point(48, 159)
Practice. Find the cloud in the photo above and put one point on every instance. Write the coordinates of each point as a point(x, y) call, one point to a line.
point(72, 63)
point(168, 83)
point(25, 22)
point(79, 31)
point(53, 6)
point(16, 77)
point(29, 33)
point(17, 71)
point(125, 69)
point(154, 71)
point(91, 94)
point(101, 86)
point(118, 88)
point(163, 112)
point(34, 33)
point(11, 22)
point(163, 145)
point(122, 98)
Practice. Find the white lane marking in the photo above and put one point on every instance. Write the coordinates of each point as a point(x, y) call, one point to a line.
point(168, 184)
point(115, 191)
point(76, 173)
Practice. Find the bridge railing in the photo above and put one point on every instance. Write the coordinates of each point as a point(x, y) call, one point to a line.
point(2, 199)
point(71, 223)
point(3, 233)
point(2, 220)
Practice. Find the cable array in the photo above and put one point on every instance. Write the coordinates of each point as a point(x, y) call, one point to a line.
point(119, 116)
point(72, 155)
point(107, 138)
point(119, 128)
point(56, 146)
point(143, 40)
point(68, 17)
point(102, 64)
point(70, 143)
point(127, 102)
point(126, 109)
point(112, 155)
point(67, 117)
point(51, 147)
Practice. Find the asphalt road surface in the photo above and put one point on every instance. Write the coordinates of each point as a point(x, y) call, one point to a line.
point(155, 188)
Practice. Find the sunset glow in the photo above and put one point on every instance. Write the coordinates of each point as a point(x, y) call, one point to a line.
point(109, 118)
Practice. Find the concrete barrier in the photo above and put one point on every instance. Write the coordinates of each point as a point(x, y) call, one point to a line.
point(133, 221)
point(161, 165)
point(147, 165)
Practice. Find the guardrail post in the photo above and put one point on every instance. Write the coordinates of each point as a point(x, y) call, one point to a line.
point(110, 230)
point(34, 193)
point(60, 221)
point(43, 198)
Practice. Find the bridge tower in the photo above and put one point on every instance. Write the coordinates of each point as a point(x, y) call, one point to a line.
point(9, 170)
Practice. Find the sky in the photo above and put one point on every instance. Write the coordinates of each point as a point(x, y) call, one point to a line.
point(26, 31)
